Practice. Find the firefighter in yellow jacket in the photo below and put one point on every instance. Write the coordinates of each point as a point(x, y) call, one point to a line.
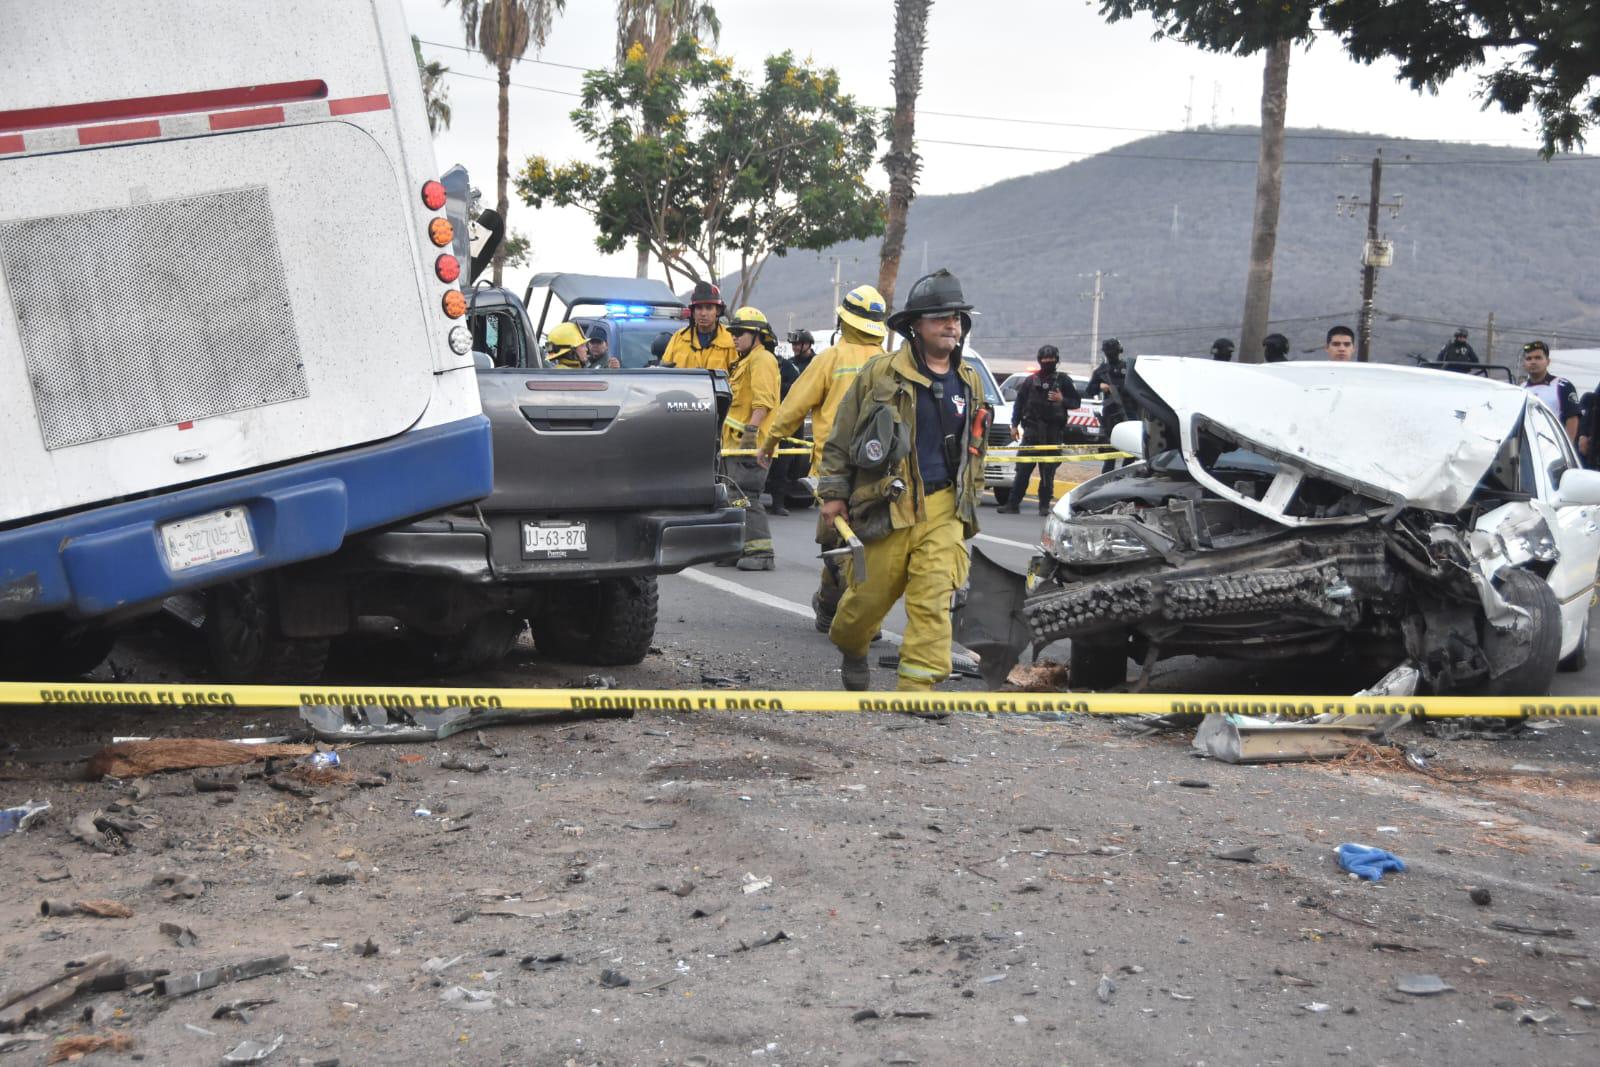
point(904, 464)
point(817, 392)
point(753, 380)
point(704, 343)
point(567, 346)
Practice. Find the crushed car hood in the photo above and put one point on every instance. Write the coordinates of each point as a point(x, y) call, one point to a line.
point(1412, 436)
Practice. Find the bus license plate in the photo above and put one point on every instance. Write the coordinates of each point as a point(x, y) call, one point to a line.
point(207, 538)
point(555, 540)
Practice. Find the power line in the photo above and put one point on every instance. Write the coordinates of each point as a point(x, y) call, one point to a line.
point(515, 59)
point(1063, 124)
point(1162, 331)
point(1532, 331)
point(519, 85)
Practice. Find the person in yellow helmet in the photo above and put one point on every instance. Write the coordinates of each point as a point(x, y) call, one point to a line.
point(753, 380)
point(904, 464)
point(817, 392)
point(567, 347)
point(704, 342)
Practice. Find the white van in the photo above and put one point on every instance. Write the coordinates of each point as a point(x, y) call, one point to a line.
point(229, 314)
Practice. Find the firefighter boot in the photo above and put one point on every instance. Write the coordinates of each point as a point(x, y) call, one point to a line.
point(856, 672)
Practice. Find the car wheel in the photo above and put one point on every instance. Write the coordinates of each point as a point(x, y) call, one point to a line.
point(1531, 677)
point(241, 631)
point(1098, 664)
point(1002, 495)
point(1578, 658)
point(609, 623)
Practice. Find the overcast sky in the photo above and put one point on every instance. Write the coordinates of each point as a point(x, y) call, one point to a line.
point(1021, 60)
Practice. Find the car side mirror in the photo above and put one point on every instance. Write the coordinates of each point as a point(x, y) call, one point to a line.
point(1129, 437)
point(481, 360)
point(1578, 486)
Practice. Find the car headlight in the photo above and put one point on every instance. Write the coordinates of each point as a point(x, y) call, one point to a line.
point(1076, 541)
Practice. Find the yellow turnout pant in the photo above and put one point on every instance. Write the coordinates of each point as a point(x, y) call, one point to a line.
point(926, 563)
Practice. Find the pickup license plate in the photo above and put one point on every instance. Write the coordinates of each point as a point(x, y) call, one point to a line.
point(208, 538)
point(555, 540)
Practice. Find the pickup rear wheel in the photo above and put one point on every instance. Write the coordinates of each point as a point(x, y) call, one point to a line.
point(241, 630)
point(609, 623)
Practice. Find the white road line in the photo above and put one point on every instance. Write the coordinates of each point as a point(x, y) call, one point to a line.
point(1007, 541)
point(777, 603)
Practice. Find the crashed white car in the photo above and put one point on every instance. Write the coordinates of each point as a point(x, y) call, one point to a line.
point(1297, 509)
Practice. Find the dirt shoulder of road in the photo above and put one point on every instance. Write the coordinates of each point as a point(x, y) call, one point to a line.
point(782, 888)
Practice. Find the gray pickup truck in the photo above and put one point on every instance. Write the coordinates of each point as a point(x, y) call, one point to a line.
point(603, 480)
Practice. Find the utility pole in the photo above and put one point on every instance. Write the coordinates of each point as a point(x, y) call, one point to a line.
point(838, 263)
point(924, 258)
point(1188, 108)
point(1488, 343)
point(1095, 295)
point(1377, 253)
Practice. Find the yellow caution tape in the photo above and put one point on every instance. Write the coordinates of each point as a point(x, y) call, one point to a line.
point(1006, 456)
point(776, 452)
point(436, 698)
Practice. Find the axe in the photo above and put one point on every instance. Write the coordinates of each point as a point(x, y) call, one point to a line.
point(853, 548)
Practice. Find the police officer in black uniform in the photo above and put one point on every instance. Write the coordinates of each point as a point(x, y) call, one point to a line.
point(1222, 349)
point(1106, 383)
point(1275, 347)
point(1040, 418)
point(1458, 355)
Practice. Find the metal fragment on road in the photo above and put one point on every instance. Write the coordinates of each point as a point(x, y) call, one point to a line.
point(1105, 989)
point(1246, 854)
point(252, 1051)
point(184, 984)
point(370, 722)
point(1423, 985)
point(181, 936)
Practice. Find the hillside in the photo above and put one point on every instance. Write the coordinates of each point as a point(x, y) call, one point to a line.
point(1482, 229)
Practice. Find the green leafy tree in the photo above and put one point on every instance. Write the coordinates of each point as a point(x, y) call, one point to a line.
point(435, 94)
point(502, 30)
point(655, 25)
point(701, 162)
point(1547, 51)
point(517, 249)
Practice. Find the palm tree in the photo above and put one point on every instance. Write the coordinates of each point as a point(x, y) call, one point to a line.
point(902, 162)
point(655, 25)
point(435, 94)
point(502, 31)
point(1269, 193)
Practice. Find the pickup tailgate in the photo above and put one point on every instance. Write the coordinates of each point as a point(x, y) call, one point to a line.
point(617, 440)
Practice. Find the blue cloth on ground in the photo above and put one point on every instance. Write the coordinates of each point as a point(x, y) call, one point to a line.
point(1370, 863)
